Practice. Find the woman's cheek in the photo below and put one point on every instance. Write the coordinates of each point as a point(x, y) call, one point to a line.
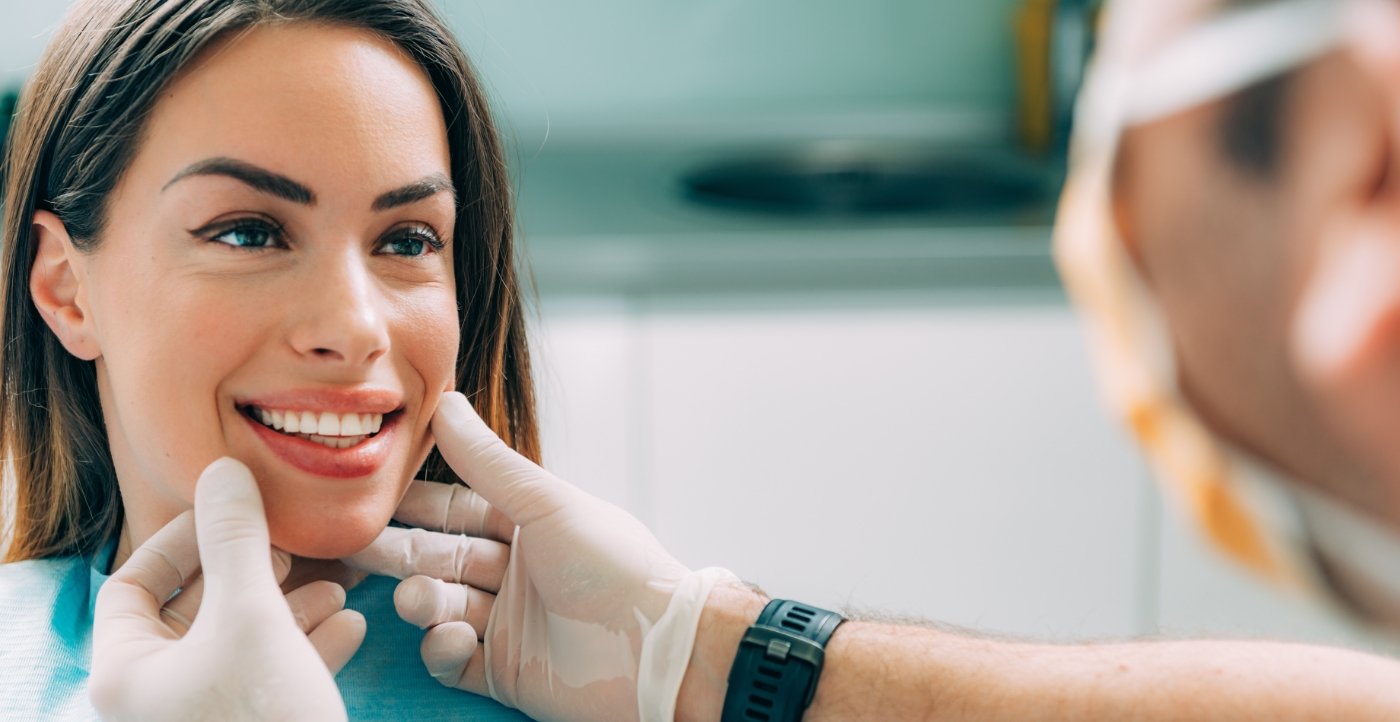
point(433, 333)
point(168, 377)
point(426, 333)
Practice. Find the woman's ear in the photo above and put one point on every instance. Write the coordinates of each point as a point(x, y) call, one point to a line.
point(57, 287)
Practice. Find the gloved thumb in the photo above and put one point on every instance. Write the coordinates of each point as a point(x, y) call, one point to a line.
point(231, 529)
point(508, 481)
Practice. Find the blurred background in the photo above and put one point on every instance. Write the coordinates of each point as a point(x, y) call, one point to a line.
point(797, 310)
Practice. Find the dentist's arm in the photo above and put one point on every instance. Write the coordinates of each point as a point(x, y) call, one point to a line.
point(585, 580)
point(250, 653)
point(879, 671)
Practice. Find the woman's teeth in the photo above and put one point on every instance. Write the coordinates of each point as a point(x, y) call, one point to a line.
point(338, 431)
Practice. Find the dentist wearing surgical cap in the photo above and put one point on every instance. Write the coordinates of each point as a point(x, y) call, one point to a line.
point(1231, 231)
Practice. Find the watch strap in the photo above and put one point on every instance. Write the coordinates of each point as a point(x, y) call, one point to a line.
point(779, 661)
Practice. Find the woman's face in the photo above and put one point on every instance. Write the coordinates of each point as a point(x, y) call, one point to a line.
point(278, 255)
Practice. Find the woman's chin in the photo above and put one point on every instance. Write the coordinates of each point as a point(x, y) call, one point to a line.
point(325, 533)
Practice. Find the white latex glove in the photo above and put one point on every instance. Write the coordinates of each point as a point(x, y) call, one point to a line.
point(250, 653)
point(449, 577)
point(593, 620)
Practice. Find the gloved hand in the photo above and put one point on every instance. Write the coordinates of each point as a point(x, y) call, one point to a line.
point(593, 619)
point(250, 653)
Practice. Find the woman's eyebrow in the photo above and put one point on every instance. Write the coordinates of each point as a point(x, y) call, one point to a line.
point(266, 181)
point(260, 179)
point(416, 191)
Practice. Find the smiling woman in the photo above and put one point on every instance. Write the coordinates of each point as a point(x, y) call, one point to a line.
point(272, 230)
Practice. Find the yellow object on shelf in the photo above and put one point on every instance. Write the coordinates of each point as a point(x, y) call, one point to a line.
point(1053, 39)
point(1033, 24)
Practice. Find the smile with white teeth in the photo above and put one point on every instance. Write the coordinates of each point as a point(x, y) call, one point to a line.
point(338, 431)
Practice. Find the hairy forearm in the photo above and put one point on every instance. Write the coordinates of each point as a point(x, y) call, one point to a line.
point(881, 672)
point(888, 672)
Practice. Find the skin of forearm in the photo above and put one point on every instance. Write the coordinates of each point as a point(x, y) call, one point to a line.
point(729, 612)
point(877, 671)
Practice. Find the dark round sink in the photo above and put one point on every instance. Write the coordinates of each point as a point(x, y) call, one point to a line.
point(864, 181)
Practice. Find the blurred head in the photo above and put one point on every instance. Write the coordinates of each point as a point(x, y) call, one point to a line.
point(1281, 284)
point(270, 230)
point(1262, 221)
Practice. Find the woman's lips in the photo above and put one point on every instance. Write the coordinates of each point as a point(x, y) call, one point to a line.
point(361, 459)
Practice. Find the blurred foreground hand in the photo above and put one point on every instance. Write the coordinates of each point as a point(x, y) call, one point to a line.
point(250, 652)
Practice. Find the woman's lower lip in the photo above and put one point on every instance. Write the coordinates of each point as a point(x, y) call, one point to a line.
point(359, 460)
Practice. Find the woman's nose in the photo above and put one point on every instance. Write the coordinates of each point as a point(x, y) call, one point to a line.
point(341, 316)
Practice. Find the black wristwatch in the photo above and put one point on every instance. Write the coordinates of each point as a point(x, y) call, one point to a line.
point(780, 659)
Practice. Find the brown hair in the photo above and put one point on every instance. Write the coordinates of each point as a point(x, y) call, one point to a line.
point(78, 125)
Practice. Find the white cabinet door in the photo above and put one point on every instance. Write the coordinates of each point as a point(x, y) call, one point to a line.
point(913, 456)
point(919, 457)
point(582, 351)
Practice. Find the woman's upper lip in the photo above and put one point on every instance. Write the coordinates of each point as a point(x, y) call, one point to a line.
point(344, 400)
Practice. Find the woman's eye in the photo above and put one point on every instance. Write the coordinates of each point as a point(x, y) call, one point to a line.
point(411, 242)
point(247, 235)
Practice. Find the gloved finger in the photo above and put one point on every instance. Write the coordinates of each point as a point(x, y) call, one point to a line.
point(179, 613)
point(510, 482)
point(454, 509)
point(129, 604)
point(449, 652)
point(338, 638)
point(281, 565)
point(402, 553)
point(231, 528)
point(314, 603)
point(426, 602)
